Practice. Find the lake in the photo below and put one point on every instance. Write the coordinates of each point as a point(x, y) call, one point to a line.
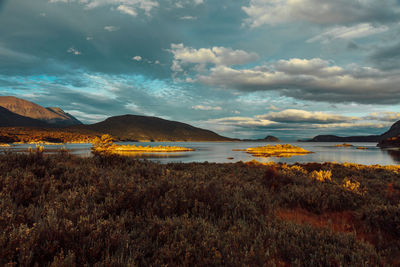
point(220, 152)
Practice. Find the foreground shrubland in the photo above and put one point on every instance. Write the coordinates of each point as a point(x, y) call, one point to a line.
point(116, 211)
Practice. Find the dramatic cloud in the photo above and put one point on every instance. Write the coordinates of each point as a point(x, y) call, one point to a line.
point(203, 56)
point(301, 116)
point(320, 11)
point(313, 79)
point(99, 58)
point(348, 33)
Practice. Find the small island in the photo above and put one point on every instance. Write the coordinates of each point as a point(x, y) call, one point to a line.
point(277, 151)
point(105, 145)
point(344, 145)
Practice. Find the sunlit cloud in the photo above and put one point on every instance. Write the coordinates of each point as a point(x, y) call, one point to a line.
point(208, 108)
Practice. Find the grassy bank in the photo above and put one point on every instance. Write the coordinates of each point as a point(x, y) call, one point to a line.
point(117, 211)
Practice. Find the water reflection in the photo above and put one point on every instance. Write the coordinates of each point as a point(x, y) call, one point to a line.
point(395, 154)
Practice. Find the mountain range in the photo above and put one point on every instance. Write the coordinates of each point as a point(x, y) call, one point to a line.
point(16, 112)
point(393, 132)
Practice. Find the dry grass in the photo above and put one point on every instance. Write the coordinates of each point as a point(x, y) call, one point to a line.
point(277, 151)
point(110, 210)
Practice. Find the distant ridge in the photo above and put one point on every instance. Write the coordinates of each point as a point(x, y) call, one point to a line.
point(144, 128)
point(51, 116)
point(268, 138)
point(334, 138)
point(383, 139)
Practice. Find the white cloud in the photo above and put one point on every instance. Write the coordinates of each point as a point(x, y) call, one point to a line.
point(127, 10)
point(203, 56)
point(208, 108)
point(319, 11)
point(111, 28)
point(137, 58)
point(348, 33)
point(73, 51)
point(242, 122)
point(296, 116)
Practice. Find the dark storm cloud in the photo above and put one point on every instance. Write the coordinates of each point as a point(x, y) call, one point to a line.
point(387, 57)
point(314, 79)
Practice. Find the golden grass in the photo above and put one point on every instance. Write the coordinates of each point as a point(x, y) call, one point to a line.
point(4, 145)
point(362, 147)
point(277, 151)
point(115, 149)
point(40, 143)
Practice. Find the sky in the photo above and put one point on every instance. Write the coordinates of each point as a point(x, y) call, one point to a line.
point(245, 68)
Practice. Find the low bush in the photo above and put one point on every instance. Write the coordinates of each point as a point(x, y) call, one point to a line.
point(62, 210)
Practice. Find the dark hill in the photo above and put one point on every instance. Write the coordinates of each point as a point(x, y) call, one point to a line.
point(52, 116)
point(334, 138)
point(11, 119)
point(268, 138)
point(392, 132)
point(143, 128)
point(387, 139)
point(271, 138)
point(391, 138)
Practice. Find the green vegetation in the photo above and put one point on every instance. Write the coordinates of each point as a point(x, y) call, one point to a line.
point(277, 151)
point(63, 210)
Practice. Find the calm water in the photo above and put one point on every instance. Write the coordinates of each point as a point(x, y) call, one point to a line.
point(221, 151)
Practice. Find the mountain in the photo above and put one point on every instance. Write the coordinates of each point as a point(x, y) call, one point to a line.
point(392, 132)
point(143, 128)
point(11, 119)
point(52, 116)
point(334, 138)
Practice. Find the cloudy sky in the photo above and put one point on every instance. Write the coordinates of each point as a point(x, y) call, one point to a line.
point(243, 68)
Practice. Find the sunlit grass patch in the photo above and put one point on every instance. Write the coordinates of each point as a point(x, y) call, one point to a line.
point(286, 150)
